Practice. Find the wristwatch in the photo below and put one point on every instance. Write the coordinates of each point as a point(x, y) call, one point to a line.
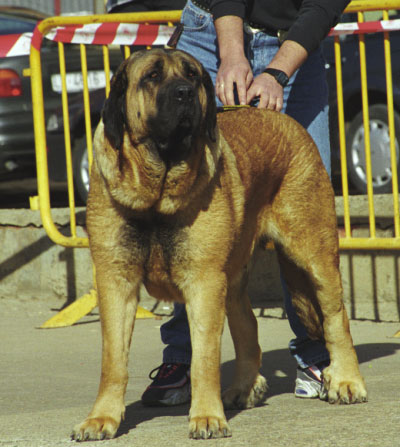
point(279, 75)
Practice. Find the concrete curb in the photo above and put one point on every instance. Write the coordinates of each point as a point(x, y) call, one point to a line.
point(33, 268)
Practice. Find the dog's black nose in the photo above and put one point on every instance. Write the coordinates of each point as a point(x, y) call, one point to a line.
point(184, 93)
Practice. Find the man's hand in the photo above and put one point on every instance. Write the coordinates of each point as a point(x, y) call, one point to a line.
point(268, 90)
point(233, 72)
point(235, 68)
point(289, 58)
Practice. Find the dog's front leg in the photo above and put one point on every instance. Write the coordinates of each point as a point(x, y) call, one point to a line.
point(206, 314)
point(117, 304)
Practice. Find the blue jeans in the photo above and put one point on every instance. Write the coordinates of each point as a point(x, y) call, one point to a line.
point(306, 100)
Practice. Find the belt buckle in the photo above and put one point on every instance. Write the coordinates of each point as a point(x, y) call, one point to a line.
point(250, 30)
point(281, 35)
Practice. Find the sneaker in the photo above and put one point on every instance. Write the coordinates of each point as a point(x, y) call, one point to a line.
point(171, 385)
point(309, 383)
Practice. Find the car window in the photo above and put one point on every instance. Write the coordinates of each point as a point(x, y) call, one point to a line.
point(15, 26)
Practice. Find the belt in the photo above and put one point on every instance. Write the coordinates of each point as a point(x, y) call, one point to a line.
point(253, 28)
point(250, 27)
point(203, 4)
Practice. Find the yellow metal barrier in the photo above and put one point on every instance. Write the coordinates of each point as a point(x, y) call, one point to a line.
point(85, 304)
point(372, 242)
point(38, 109)
point(88, 302)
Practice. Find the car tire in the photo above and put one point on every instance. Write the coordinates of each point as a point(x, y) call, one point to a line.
point(81, 168)
point(380, 150)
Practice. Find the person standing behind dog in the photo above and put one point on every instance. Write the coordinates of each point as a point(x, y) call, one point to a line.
point(265, 53)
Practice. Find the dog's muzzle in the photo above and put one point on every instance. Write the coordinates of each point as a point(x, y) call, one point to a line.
point(178, 118)
point(184, 94)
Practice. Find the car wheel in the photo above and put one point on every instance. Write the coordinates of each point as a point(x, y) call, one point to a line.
point(81, 168)
point(380, 150)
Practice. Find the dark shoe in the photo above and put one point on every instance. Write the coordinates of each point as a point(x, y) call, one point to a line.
point(171, 385)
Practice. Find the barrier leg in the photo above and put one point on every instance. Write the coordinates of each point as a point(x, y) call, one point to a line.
point(80, 308)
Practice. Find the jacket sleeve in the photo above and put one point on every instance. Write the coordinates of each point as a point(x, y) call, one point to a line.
point(314, 21)
point(221, 8)
point(312, 25)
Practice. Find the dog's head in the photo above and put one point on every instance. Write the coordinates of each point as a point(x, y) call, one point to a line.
point(160, 97)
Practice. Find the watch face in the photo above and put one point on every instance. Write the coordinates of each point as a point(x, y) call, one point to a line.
point(282, 79)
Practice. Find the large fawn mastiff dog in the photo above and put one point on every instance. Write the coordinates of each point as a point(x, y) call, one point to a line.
point(178, 200)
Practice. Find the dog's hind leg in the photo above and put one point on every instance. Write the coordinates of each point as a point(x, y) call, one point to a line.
point(117, 304)
point(249, 386)
point(310, 265)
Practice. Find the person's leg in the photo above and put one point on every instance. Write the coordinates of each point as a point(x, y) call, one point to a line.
point(306, 100)
point(308, 103)
point(170, 385)
point(171, 380)
point(175, 334)
point(199, 39)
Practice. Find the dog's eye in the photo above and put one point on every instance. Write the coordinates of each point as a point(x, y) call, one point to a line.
point(191, 73)
point(153, 75)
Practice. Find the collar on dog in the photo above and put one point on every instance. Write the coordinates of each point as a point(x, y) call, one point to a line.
point(231, 108)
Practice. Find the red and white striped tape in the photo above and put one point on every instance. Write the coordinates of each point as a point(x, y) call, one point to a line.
point(366, 27)
point(142, 34)
point(94, 34)
point(113, 33)
point(15, 44)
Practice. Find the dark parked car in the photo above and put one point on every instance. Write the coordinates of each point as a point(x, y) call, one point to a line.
point(377, 100)
point(55, 140)
point(382, 175)
point(17, 147)
point(16, 129)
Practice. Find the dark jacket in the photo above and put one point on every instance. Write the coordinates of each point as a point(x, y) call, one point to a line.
point(307, 21)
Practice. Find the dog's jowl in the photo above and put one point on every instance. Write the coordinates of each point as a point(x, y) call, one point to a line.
point(178, 200)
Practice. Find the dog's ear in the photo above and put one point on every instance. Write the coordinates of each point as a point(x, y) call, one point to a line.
point(113, 113)
point(211, 112)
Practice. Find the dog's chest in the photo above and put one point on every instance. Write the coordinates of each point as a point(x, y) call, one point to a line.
point(159, 247)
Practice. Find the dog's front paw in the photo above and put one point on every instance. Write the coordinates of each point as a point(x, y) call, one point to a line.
point(342, 388)
point(95, 429)
point(208, 427)
point(239, 398)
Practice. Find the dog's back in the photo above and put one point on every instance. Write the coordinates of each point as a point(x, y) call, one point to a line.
point(268, 142)
point(276, 158)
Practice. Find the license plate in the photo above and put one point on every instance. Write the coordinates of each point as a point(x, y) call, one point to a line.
point(96, 79)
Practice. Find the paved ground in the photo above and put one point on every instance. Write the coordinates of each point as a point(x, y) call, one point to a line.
point(49, 378)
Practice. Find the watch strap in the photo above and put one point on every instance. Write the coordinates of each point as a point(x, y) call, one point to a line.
point(280, 76)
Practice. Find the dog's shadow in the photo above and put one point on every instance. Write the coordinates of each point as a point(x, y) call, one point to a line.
point(136, 413)
point(277, 366)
